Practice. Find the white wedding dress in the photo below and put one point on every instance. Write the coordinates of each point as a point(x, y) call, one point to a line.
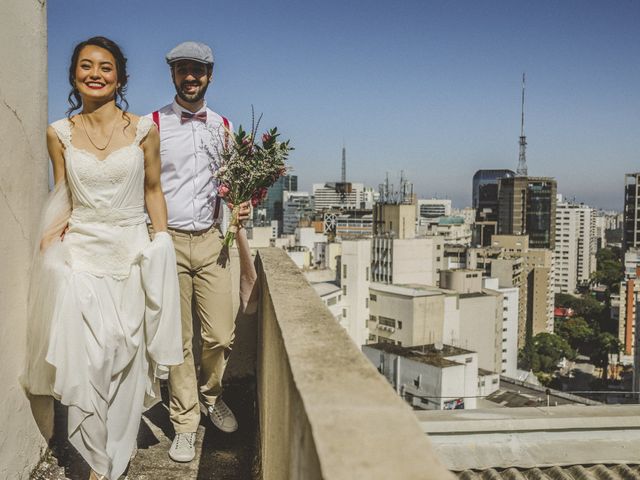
point(104, 319)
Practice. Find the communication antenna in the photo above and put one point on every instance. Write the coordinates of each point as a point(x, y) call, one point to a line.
point(344, 164)
point(522, 158)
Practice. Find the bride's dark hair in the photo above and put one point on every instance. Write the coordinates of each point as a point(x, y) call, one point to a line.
point(121, 70)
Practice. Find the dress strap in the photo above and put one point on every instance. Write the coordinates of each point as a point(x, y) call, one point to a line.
point(144, 124)
point(62, 128)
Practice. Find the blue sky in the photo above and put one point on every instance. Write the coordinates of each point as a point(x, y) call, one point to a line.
point(428, 87)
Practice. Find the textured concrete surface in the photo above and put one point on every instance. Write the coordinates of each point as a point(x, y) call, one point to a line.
point(574, 472)
point(219, 456)
point(325, 411)
point(23, 187)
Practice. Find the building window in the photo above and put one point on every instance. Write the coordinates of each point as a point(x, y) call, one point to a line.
point(373, 318)
point(372, 338)
point(332, 301)
point(373, 297)
point(344, 313)
point(366, 274)
point(417, 381)
point(344, 290)
point(399, 324)
point(494, 381)
point(389, 322)
point(344, 271)
point(468, 359)
point(366, 302)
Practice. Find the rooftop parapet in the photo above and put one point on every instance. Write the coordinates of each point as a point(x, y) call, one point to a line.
point(325, 412)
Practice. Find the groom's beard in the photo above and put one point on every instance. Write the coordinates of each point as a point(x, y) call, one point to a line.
point(191, 97)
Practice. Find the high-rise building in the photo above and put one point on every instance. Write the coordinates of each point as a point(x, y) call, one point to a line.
point(355, 277)
point(272, 208)
point(575, 246)
point(631, 229)
point(298, 206)
point(514, 264)
point(527, 206)
point(409, 260)
point(345, 196)
point(434, 208)
point(484, 196)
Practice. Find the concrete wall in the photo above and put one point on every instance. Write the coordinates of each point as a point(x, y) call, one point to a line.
point(23, 186)
point(325, 412)
point(481, 328)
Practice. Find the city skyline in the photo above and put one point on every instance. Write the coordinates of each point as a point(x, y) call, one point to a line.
point(431, 88)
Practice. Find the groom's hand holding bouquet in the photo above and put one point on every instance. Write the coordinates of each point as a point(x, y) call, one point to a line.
point(244, 169)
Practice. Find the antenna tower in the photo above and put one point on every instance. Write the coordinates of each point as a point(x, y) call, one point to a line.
point(522, 158)
point(344, 165)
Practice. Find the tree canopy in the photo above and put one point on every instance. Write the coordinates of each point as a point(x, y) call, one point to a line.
point(576, 331)
point(545, 351)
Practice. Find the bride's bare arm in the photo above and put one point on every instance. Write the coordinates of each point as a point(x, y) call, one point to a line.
point(153, 196)
point(56, 154)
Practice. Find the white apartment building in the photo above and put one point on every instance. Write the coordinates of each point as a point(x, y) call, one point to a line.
point(510, 307)
point(414, 314)
point(481, 316)
point(575, 245)
point(468, 213)
point(326, 197)
point(428, 377)
point(433, 208)
point(454, 230)
point(355, 277)
point(331, 296)
point(262, 237)
point(308, 237)
point(407, 261)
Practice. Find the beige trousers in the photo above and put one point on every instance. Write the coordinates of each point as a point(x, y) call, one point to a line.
point(205, 286)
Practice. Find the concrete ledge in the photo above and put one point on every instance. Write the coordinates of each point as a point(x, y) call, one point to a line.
point(325, 412)
point(526, 419)
point(531, 437)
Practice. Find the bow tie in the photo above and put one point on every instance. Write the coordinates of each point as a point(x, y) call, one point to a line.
point(186, 116)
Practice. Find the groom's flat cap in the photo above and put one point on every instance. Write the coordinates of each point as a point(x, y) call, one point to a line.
point(196, 51)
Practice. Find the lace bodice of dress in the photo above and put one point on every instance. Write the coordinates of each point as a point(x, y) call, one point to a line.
point(107, 227)
point(102, 179)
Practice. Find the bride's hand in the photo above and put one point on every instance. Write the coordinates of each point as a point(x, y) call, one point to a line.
point(64, 232)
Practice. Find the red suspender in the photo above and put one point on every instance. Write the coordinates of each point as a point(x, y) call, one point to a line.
point(156, 119)
point(226, 131)
point(226, 141)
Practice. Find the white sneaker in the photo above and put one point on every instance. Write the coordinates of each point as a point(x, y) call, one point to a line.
point(221, 416)
point(183, 447)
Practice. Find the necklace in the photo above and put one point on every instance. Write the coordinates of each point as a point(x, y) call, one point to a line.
point(84, 127)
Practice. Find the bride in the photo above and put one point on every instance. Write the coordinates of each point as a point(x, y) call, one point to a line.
point(104, 320)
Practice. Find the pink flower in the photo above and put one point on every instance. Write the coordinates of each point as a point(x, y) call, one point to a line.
point(223, 190)
point(255, 201)
point(265, 137)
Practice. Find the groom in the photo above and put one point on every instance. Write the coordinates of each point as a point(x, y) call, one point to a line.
point(195, 213)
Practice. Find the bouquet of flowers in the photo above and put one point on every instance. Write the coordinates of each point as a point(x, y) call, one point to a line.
point(244, 169)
